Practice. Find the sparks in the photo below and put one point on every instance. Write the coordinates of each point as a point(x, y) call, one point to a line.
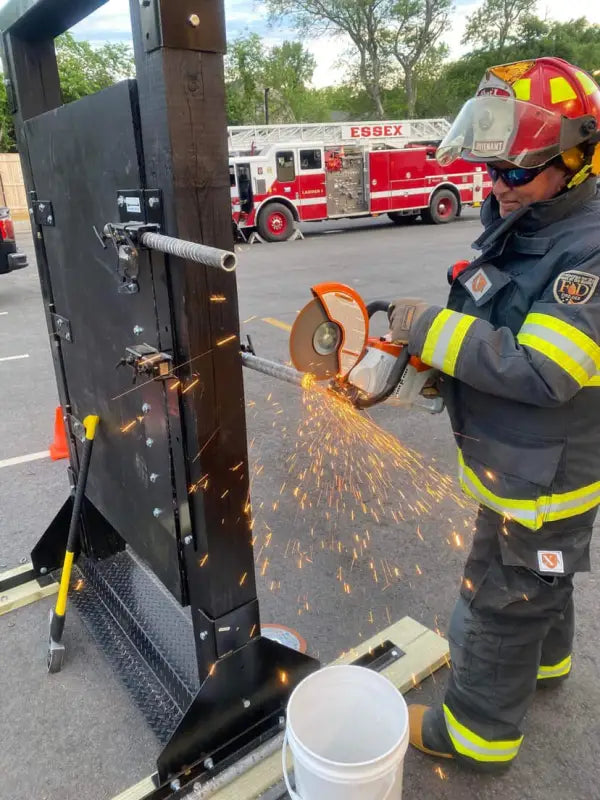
point(218, 298)
point(440, 773)
point(191, 385)
point(129, 426)
point(226, 340)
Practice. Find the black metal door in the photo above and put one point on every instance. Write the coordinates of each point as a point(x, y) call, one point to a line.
point(82, 154)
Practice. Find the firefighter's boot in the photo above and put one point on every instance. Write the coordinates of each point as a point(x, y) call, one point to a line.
point(428, 732)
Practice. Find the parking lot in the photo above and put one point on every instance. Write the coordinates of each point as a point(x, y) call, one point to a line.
point(77, 734)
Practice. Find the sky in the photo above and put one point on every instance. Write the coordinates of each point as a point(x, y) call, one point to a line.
point(111, 24)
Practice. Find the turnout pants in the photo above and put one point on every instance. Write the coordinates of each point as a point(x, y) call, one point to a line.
point(511, 631)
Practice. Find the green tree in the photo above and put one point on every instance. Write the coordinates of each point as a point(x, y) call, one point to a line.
point(362, 21)
point(286, 70)
point(416, 27)
point(244, 70)
point(496, 23)
point(85, 69)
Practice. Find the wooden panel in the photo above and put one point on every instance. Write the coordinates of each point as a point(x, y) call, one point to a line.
point(12, 186)
point(25, 594)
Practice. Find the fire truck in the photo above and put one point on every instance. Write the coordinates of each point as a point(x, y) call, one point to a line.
point(281, 175)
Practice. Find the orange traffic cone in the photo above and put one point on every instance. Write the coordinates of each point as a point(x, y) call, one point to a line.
point(59, 448)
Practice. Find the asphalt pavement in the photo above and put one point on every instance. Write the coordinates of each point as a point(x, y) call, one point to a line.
point(328, 568)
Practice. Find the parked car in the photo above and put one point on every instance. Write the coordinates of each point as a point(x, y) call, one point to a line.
point(10, 258)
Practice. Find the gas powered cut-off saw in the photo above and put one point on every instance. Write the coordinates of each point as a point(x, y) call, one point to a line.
point(330, 340)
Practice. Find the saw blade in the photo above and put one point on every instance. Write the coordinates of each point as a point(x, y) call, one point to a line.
point(315, 341)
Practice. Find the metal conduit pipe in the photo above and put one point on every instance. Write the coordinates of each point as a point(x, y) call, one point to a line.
point(273, 369)
point(200, 253)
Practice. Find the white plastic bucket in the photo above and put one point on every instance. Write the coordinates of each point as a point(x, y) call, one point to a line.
point(347, 728)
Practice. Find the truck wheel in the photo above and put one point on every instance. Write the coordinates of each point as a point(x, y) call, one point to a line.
point(443, 207)
point(275, 223)
point(402, 219)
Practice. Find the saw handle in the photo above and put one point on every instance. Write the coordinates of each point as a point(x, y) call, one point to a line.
point(378, 305)
point(393, 380)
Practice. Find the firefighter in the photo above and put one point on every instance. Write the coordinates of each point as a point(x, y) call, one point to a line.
point(518, 350)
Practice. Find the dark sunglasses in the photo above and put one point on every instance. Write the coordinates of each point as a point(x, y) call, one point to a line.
point(514, 176)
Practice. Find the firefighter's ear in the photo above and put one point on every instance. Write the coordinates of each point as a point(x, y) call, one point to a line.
point(573, 159)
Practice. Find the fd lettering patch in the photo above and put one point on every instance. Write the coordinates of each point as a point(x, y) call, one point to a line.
point(575, 287)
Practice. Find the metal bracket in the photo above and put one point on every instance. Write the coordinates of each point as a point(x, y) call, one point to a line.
point(235, 629)
point(61, 327)
point(76, 427)
point(43, 213)
point(196, 25)
point(147, 361)
point(125, 237)
point(140, 205)
point(380, 657)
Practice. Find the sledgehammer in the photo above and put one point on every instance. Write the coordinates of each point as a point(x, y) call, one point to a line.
point(56, 649)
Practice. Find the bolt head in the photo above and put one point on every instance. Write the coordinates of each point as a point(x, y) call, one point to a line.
point(175, 785)
point(49, 219)
point(149, 442)
point(153, 477)
point(209, 764)
point(204, 635)
point(138, 330)
point(281, 721)
point(153, 202)
point(156, 512)
point(188, 540)
point(194, 20)
point(146, 408)
point(246, 703)
point(43, 570)
point(68, 336)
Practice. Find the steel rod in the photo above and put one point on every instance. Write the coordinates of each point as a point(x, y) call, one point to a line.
point(200, 253)
point(273, 369)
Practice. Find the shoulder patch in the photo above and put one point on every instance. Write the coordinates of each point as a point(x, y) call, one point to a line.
point(478, 284)
point(575, 287)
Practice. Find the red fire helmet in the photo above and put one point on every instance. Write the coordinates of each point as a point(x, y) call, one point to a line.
point(526, 114)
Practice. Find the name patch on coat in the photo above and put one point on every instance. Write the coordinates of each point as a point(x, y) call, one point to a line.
point(575, 287)
point(551, 561)
point(478, 284)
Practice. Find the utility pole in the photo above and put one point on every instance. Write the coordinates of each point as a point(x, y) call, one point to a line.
point(267, 90)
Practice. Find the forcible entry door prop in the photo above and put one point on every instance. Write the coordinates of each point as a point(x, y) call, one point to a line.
point(110, 176)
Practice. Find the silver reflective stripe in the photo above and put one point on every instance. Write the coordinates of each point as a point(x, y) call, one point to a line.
point(574, 502)
point(479, 753)
point(563, 343)
point(557, 670)
point(444, 338)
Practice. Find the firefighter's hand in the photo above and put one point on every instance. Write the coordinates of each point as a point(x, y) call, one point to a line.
point(402, 314)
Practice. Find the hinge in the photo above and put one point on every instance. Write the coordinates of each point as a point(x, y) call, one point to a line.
point(43, 213)
point(61, 327)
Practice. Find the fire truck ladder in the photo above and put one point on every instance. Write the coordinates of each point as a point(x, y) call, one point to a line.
point(245, 136)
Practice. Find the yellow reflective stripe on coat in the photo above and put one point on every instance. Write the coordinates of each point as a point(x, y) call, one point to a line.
point(556, 670)
point(444, 340)
point(530, 513)
point(595, 381)
point(566, 345)
point(470, 744)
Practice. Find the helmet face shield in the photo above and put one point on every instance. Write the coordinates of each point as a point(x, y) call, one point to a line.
point(502, 129)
